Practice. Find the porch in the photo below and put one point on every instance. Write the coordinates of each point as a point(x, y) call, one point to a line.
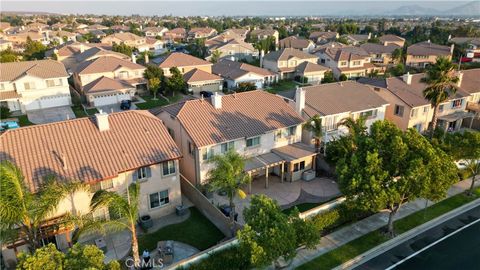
point(453, 121)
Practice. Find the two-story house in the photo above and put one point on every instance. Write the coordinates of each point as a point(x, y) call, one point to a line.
point(287, 63)
point(235, 73)
point(154, 31)
point(231, 46)
point(108, 80)
point(297, 43)
point(408, 107)
point(353, 62)
point(143, 44)
point(320, 37)
point(425, 53)
point(334, 102)
point(201, 32)
point(381, 54)
point(392, 39)
point(261, 34)
point(256, 124)
point(176, 34)
point(106, 152)
point(33, 85)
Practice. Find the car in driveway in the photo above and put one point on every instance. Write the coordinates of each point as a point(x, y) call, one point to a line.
point(125, 104)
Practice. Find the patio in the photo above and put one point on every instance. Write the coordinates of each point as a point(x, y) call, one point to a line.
point(286, 194)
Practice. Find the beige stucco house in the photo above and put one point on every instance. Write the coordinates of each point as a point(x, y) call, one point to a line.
point(184, 63)
point(235, 73)
point(285, 62)
point(425, 53)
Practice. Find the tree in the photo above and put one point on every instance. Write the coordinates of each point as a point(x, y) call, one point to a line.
point(5, 112)
point(155, 79)
point(154, 85)
point(23, 212)
point(34, 50)
point(466, 146)
point(175, 83)
point(153, 71)
point(8, 55)
point(123, 48)
point(77, 258)
point(389, 167)
point(397, 55)
point(270, 234)
point(441, 83)
point(328, 77)
point(216, 54)
point(123, 215)
point(342, 77)
point(228, 175)
point(314, 125)
point(246, 86)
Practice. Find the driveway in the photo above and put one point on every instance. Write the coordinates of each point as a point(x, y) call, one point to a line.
point(50, 115)
point(114, 108)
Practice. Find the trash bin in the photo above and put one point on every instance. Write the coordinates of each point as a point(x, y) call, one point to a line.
point(146, 222)
point(180, 210)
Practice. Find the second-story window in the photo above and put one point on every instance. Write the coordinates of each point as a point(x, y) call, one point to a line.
point(457, 103)
point(53, 83)
point(343, 63)
point(356, 63)
point(440, 108)
point(207, 153)
point(168, 167)
point(123, 74)
point(2, 86)
point(425, 110)
point(227, 146)
point(251, 142)
point(29, 85)
point(143, 173)
point(369, 114)
point(413, 113)
point(291, 131)
point(398, 110)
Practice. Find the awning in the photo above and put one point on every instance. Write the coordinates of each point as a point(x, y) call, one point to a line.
point(262, 161)
point(294, 151)
point(456, 116)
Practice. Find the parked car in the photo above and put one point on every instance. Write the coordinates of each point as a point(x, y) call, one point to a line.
point(226, 210)
point(125, 104)
point(206, 94)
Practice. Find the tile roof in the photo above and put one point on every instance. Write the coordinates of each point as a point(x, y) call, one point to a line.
point(104, 84)
point(307, 67)
point(471, 81)
point(374, 48)
point(263, 32)
point(125, 36)
point(178, 59)
point(97, 52)
point(135, 139)
point(44, 69)
point(105, 64)
point(288, 53)
point(323, 35)
point(4, 95)
point(242, 115)
point(294, 42)
point(335, 98)
point(233, 69)
point(345, 53)
point(198, 75)
point(428, 48)
point(390, 38)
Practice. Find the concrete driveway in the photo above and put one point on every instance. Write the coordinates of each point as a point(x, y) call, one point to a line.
point(44, 116)
point(114, 108)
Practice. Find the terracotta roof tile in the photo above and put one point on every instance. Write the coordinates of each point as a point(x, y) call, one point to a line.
point(177, 59)
point(105, 64)
point(103, 84)
point(428, 48)
point(288, 53)
point(197, 75)
point(44, 69)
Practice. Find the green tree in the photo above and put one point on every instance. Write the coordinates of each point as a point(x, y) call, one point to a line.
point(441, 83)
point(4, 112)
point(123, 215)
point(23, 212)
point(342, 77)
point(175, 83)
point(34, 49)
point(246, 86)
point(9, 55)
point(154, 86)
point(228, 175)
point(123, 48)
point(328, 77)
point(215, 56)
point(397, 55)
point(155, 78)
point(314, 125)
point(389, 167)
point(45, 258)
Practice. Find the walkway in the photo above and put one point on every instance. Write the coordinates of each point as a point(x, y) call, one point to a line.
point(374, 222)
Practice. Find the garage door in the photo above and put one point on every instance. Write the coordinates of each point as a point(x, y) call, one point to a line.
point(57, 101)
point(32, 105)
point(109, 99)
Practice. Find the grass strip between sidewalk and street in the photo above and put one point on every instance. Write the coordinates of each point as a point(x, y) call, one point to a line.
point(368, 241)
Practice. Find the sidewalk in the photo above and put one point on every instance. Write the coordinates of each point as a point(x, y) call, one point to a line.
point(374, 222)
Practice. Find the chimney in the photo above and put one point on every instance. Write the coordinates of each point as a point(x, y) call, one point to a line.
point(262, 54)
point(134, 58)
point(369, 35)
point(299, 100)
point(217, 100)
point(82, 48)
point(102, 121)
point(407, 78)
point(146, 58)
point(460, 78)
point(451, 48)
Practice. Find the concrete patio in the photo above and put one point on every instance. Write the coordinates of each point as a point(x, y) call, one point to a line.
point(287, 194)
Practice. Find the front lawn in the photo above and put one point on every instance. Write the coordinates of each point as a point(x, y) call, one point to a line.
point(282, 86)
point(23, 121)
point(151, 103)
point(196, 231)
point(366, 242)
point(79, 112)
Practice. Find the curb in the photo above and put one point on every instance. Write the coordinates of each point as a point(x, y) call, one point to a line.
point(362, 258)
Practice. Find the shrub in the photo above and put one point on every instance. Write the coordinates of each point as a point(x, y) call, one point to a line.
point(464, 174)
point(4, 112)
point(342, 77)
point(227, 259)
point(327, 219)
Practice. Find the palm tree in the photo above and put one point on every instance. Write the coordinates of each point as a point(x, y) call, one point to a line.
point(216, 54)
point(22, 212)
point(355, 127)
point(229, 176)
point(123, 208)
point(314, 125)
point(441, 83)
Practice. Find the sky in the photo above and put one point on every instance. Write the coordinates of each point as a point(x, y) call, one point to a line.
point(223, 8)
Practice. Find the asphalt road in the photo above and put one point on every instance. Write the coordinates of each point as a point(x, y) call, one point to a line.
point(460, 249)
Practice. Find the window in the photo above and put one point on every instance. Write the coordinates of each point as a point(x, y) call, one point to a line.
point(343, 63)
point(168, 167)
point(278, 135)
point(425, 110)
point(171, 132)
point(322, 61)
point(158, 199)
point(356, 63)
point(291, 131)
point(440, 108)
point(207, 153)
point(302, 165)
point(398, 110)
point(53, 83)
point(299, 166)
point(251, 142)
point(190, 148)
point(227, 146)
point(102, 185)
point(457, 103)
point(295, 167)
point(29, 85)
point(143, 173)
point(418, 127)
point(2, 86)
point(368, 114)
point(123, 74)
point(413, 113)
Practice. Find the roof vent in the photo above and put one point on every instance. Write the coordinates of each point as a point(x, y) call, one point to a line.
point(102, 121)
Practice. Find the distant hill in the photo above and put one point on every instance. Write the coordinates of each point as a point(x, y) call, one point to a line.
point(413, 10)
point(469, 9)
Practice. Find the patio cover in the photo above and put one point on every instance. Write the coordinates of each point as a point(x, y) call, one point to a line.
point(456, 116)
point(294, 151)
point(262, 161)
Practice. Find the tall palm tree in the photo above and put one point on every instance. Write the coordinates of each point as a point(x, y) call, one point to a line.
point(23, 213)
point(314, 125)
point(229, 176)
point(124, 209)
point(441, 83)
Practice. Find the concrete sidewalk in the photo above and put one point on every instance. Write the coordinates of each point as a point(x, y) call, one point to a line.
point(360, 228)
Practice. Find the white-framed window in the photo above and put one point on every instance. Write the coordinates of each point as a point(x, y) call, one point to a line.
point(356, 63)
point(207, 153)
point(143, 173)
point(457, 103)
point(29, 85)
point(369, 114)
point(299, 166)
point(53, 82)
point(159, 199)
point(291, 131)
point(168, 167)
point(413, 113)
point(123, 74)
point(425, 110)
point(398, 110)
point(100, 214)
point(225, 147)
point(343, 63)
point(254, 141)
point(102, 185)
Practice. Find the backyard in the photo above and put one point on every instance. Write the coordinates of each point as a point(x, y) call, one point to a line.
point(196, 231)
point(282, 86)
point(151, 103)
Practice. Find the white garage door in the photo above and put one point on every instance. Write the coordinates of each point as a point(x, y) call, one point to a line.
point(109, 99)
point(32, 105)
point(50, 102)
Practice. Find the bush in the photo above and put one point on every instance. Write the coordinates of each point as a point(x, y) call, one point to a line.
point(334, 218)
point(464, 174)
point(342, 77)
point(326, 220)
point(4, 112)
point(227, 259)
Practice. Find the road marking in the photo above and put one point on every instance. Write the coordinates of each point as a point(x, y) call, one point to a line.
point(432, 244)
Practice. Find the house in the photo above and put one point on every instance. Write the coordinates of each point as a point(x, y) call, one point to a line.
point(256, 124)
point(355, 40)
point(310, 72)
point(297, 43)
point(94, 79)
point(392, 39)
point(333, 103)
point(261, 34)
point(241, 32)
point(353, 62)
point(201, 32)
point(236, 72)
point(106, 152)
point(381, 54)
point(409, 109)
point(33, 85)
point(61, 36)
point(184, 63)
point(231, 46)
point(470, 83)
point(126, 38)
point(21, 37)
point(98, 34)
point(176, 34)
point(5, 44)
point(425, 53)
point(198, 80)
point(320, 37)
point(285, 61)
point(154, 31)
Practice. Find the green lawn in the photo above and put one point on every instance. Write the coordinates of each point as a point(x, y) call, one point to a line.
point(23, 120)
point(282, 86)
point(302, 207)
point(151, 103)
point(196, 231)
point(79, 112)
point(364, 243)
